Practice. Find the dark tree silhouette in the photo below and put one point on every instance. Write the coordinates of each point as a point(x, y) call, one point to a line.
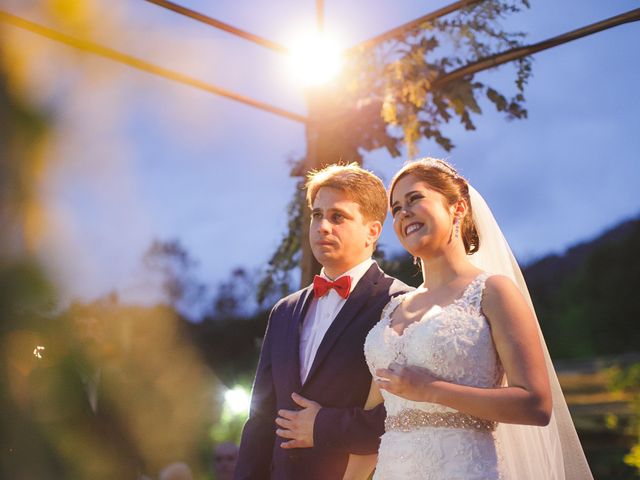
point(171, 261)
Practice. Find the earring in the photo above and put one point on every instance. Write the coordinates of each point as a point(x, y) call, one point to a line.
point(456, 224)
point(415, 260)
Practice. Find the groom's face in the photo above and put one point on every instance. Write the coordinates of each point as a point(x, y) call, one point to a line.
point(340, 236)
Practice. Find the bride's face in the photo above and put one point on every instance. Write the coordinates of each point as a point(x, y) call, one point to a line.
point(422, 219)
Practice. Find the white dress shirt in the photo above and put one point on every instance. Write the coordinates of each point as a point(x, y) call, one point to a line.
point(320, 316)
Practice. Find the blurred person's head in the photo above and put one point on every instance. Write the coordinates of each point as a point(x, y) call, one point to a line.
point(176, 471)
point(225, 456)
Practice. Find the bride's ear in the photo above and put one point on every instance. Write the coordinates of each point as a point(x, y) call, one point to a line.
point(459, 209)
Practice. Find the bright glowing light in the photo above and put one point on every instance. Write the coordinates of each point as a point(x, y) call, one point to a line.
point(237, 400)
point(315, 59)
point(39, 351)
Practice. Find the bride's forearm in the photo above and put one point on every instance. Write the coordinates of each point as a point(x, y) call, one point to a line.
point(503, 404)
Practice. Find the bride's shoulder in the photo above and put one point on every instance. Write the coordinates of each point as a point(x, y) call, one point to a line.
point(498, 284)
point(500, 292)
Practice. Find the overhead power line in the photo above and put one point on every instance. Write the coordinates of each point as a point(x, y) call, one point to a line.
point(520, 52)
point(111, 54)
point(383, 37)
point(200, 17)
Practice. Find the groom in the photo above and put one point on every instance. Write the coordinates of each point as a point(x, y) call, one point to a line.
point(312, 380)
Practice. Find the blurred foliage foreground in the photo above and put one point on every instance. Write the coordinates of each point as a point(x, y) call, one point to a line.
point(87, 391)
point(100, 391)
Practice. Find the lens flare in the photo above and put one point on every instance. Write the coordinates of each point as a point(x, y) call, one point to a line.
point(237, 400)
point(38, 352)
point(315, 59)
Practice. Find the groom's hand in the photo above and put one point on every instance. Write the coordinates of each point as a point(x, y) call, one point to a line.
point(297, 426)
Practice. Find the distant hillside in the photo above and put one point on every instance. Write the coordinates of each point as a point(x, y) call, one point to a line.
point(553, 266)
point(586, 299)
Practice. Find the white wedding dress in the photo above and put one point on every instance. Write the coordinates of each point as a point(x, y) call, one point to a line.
point(427, 441)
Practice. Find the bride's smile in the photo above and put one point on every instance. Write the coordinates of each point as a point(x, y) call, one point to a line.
point(412, 228)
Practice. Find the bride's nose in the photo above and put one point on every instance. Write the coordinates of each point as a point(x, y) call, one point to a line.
point(404, 212)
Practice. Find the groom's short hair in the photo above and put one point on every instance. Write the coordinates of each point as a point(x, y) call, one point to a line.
point(360, 185)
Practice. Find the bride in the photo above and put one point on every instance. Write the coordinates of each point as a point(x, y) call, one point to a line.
point(460, 363)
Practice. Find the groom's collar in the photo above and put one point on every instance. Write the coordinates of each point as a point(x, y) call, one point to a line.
point(356, 273)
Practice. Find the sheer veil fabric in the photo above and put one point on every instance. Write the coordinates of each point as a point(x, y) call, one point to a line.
point(530, 453)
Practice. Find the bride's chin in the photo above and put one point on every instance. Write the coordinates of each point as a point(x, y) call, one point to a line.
point(424, 252)
point(414, 252)
point(415, 247)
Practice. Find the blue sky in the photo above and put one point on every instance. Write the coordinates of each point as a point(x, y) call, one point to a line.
point(133, 157)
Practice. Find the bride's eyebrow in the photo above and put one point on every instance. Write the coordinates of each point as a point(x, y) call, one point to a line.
point(406, 195)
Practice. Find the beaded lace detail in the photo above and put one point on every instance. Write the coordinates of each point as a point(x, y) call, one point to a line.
point(408, 420)
point(453, 342)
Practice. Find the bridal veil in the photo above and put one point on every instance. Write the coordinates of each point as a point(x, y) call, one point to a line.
point(552, 452)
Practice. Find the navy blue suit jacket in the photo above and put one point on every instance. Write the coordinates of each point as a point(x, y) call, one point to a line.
point(339, 380)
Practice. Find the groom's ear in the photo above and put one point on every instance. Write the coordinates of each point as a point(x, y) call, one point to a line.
point(375, 229)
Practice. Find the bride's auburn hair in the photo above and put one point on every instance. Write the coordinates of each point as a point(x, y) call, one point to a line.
point(444, 179)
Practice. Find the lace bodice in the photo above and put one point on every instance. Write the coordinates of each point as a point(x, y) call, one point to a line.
point(453, 342)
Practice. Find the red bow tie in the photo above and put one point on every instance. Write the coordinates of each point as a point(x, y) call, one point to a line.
point(321, 286)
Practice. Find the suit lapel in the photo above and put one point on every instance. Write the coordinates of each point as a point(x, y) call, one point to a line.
point(293, 336)
point(356, 301)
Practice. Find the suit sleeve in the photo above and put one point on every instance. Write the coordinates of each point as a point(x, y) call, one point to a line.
point(258, 435)
point(354, 430)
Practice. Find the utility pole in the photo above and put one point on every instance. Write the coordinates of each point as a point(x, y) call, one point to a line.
point(308, 264)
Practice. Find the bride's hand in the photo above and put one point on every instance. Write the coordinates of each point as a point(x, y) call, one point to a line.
point(408, 381)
